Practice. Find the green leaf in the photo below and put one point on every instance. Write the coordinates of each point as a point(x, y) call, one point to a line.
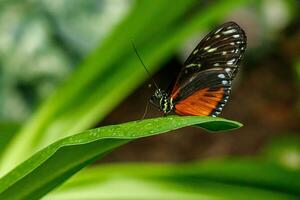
point(54, 164)
point(7, 131)
point(214, 179)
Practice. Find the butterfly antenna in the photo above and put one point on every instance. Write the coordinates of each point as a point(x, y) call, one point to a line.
point(136, 52)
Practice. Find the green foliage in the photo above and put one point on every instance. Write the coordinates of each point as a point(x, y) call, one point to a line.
point(8, 131)
point(214, 179)
point(57, 162)
point(50, 152)
point(112, 71)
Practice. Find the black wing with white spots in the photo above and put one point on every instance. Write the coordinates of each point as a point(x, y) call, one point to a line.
point(205, 79)
point(221, 48)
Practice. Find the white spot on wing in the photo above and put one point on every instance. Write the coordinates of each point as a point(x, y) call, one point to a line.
point(229, 31)
point(224, 82)
point(211, 50)
point(218, 30)
point(224, 53)
point(221, 76)
point(230, 62)
point(227, 70)
point(196, 51)
point(193, 65)
point(217, 36)
point(217, 112)
point(236, 36)
point(206, 48)
point(216, 64)
point(190, 65)
point(192, 78)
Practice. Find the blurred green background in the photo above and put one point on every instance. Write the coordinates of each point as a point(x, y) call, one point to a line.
point(66, 66)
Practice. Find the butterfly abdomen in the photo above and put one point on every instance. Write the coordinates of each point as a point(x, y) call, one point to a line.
point(166, 104)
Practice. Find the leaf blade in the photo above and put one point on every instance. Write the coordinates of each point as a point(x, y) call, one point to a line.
point(222, 178)
point(67, 156)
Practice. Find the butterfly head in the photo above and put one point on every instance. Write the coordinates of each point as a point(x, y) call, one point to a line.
point(161, 100)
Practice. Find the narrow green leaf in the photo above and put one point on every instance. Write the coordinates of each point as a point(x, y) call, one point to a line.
point(253, 172)
point(57, 162)
point(7, 131)
point(216, 179)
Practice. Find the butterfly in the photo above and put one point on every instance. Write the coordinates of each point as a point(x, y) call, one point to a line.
point(203, 85)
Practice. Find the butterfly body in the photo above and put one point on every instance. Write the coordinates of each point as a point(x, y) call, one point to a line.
point(162, 100)
point(203, 85)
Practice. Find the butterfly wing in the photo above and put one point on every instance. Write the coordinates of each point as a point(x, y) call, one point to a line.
point(227, 42)
point(221, 48)
point(203, 85)
point(205, 95)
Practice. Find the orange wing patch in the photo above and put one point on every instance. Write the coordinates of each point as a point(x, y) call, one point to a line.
point(200, 103)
